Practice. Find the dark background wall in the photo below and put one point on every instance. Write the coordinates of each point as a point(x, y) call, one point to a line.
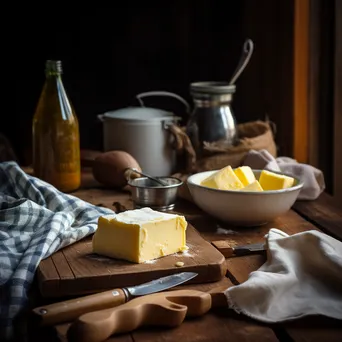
point(110, 54)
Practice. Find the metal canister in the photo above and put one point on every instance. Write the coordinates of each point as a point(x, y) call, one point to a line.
point(212, 119)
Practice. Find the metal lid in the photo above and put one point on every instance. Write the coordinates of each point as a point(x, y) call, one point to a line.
point(139, 113)
point(215, 88)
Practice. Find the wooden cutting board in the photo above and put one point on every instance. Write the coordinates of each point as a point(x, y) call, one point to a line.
point(75, 270)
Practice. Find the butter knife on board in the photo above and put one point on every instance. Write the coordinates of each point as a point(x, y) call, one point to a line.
point(228, 250)
point(71, 309)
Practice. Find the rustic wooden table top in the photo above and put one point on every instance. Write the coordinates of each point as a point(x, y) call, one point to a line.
point(223, 324)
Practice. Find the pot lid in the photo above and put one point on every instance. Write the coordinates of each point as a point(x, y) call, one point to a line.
point(138, 113)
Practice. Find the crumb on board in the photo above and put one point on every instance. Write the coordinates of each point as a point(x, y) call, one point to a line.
point(179, 263)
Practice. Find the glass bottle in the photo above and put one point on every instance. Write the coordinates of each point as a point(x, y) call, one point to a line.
point(56, 142)
point(212, 120)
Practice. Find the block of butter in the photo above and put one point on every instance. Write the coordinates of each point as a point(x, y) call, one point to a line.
point(245, 174)
point(255, 186)
point(273, 181)
point(140, 235)
point(224, 179)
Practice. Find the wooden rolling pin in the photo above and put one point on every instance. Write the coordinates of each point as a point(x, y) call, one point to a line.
point(166, 309)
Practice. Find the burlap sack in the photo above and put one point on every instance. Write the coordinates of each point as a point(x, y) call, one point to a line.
point(256, 135)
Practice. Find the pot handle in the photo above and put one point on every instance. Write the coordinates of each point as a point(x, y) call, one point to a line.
point(163, 93)
point(182, 144)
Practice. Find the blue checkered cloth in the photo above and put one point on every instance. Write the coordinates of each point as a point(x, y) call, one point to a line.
point(36, 220)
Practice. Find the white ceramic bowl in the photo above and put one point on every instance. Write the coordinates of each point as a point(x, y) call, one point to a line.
point(242, 208)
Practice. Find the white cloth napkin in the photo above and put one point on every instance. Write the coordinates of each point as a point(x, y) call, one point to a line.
point(302, 276)
point(312, 178)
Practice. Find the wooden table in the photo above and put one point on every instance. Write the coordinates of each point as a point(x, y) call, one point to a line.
point(223, 324)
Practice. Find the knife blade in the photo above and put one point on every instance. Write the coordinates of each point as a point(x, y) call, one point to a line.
point(229, 250)
point(71, 309)
point(160, 284)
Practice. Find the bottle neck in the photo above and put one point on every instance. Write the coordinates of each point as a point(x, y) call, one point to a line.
point(54, 87)
point(53, 69)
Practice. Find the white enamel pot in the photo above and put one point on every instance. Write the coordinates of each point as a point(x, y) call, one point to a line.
point(143, 132)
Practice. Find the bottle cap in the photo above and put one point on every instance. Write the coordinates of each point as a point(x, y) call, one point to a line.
point(53, 67)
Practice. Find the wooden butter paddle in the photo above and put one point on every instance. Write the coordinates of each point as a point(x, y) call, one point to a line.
point(166, 309)
point(73, 308)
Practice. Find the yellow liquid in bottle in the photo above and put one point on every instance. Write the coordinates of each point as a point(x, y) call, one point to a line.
point(56, 141)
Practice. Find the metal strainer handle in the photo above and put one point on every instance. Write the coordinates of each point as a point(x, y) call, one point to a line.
point(161, 182)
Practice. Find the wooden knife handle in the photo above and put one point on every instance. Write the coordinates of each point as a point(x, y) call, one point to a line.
point(71, 309)
point(166, 309)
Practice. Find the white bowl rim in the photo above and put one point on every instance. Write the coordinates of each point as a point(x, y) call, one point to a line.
point(298, 186)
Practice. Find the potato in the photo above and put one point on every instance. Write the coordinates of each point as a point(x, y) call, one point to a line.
point(109, 168)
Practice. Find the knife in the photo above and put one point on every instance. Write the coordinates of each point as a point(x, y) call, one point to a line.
point(229, 251)
point(164, 309)
point(71, 309)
